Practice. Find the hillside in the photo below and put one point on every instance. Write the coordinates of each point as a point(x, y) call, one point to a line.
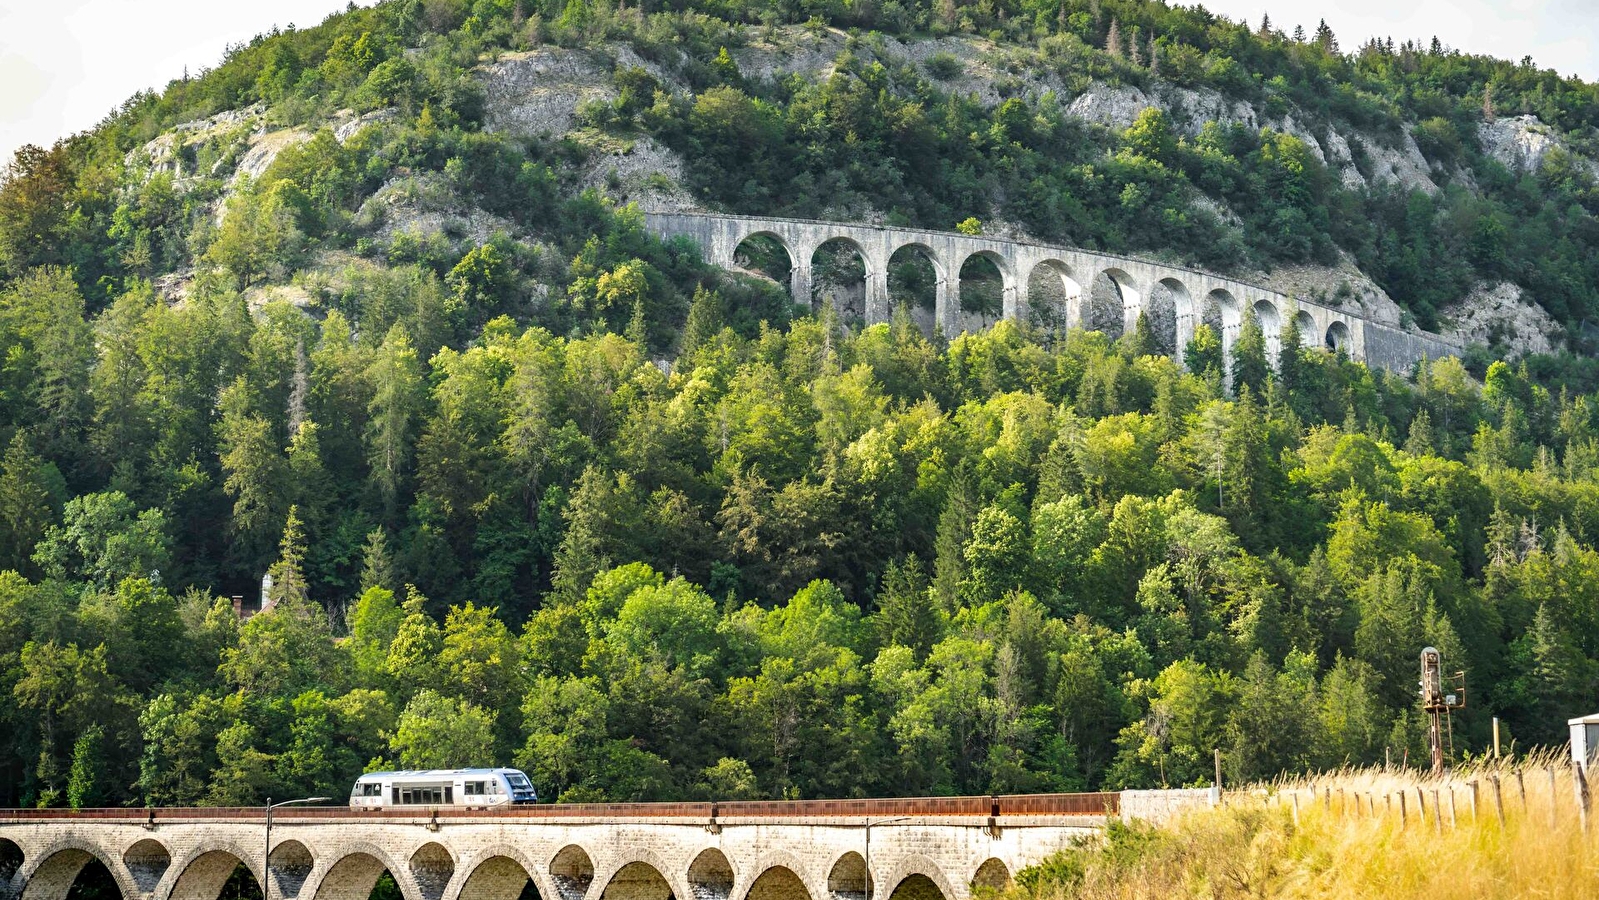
point(370, 308)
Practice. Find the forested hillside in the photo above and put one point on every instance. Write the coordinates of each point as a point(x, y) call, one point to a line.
point(534, 488)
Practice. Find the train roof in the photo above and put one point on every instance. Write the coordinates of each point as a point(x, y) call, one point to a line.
point(415, 772)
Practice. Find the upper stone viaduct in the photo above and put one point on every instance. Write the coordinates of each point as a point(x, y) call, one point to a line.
point(1100, 292)
point(787, 850)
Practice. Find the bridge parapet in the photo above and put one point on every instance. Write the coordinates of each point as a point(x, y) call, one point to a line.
point(1101, 291)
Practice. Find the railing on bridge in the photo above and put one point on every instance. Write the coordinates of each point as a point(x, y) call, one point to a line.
point(993, 806)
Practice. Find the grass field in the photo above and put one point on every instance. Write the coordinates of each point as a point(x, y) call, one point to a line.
point(1346, 835)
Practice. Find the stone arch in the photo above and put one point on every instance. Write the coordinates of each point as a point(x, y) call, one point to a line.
point(778, 883)
point(1168, 304)
point(915, 278)
point(59, 866)
point(1337, 337)
point(992, 874)
point(1113, 298)
point(1307, 326)
point(499, 873)
point(766, 254)
point(847, 879)
point(711, 875)
point(571, 872)
point(147, 860)
point(777, 859)
point(289, 866)
point(835, 277)
point(639, 879)
point(984, 298)
point(915, 866)
point(203, 871)
point(353, 875)
point(432, 867)
point(1054, 296)
point(1271, 325)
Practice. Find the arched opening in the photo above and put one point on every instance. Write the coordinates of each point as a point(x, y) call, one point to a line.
point(147, 861)
point(1306, 323)
point(572, 871)
point(913, 277)
point(847, 880)
point(432, 866)
point(637, 881)
point(1337, 339)
point(778, 883)
point(992, 875)
point(499, 878)
point(710, 875)
point(1165, 300)
point(75, 874)
point(289, 866)
point(356, 877)
point(982, 284)
point(764, 255)
point(1053, 297)
point(917, 887)
point(1271, 326)
point(1224, 315)
point(838, 276)
point(218, 873)
point(1110, 296)
point(10, 859)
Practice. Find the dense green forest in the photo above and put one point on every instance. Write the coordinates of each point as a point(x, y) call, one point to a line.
point(569, 499)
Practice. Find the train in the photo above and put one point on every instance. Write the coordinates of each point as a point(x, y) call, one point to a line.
point(438, 788)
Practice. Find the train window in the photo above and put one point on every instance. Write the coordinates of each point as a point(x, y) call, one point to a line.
point(417, 796)
point(475, 788)
point(369, 789)
point(518, 780)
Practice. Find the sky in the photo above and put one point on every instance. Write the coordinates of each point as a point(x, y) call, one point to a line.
point(64, 64)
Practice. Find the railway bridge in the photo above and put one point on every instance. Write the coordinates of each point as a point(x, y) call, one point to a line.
point(926, 849)
point(1067, 287)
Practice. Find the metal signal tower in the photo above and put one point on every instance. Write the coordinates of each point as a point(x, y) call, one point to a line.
point(1439, 705)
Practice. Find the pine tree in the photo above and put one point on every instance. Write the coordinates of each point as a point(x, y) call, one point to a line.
point(1143, 337)
point(1325, 38)
point(949, 545)
point(1113, 39)
point(1135, 52)
point(1420, 440)
point(1265, 25)
point(377, 566)
point(1488, 102)
point(25, 503)
point(1203, 355)
point(1249, 356)
point(289, 588)
point(1154, 58)
point(905, 614)
point(704, 322)
point(1290, 344)
point(1299, 34)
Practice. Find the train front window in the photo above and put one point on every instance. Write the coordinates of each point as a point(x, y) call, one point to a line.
point(518, 780)
point(369, 789)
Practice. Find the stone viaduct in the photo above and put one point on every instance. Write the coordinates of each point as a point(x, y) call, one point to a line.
point(929, 849)
point(1095, 291)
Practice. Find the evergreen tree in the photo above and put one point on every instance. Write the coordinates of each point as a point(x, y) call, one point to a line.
point(1250, 368)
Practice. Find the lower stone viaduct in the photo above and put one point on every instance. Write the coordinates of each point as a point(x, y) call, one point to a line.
point(1089, 290)
point(929, 849)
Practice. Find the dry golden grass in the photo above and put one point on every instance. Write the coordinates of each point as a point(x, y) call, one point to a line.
point(1345, 836)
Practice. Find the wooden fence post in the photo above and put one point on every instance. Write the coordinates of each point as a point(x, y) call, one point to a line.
point(1453, 822)
point(1421, 806)
point(1554, 806)
point(1579, 784)
point(1499, 801)
point(1437, 813)
point(1295, 798)
point(1521, 785)
point(1404, 814)
point(1473, 800)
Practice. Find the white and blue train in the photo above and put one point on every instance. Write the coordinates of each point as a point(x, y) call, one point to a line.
point(435, 788)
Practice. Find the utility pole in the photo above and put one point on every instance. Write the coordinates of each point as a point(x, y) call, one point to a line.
point(866, 860)
point(266, 861)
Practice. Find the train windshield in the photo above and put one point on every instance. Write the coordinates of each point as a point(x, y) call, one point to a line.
point(517, 779)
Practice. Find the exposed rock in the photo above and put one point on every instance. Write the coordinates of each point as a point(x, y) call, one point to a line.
point(425, 205)
point(1521, 143)
point(1497, 313)
point(1114, 106)
point(352, 123)
point(264, 148)
point(646, 173)
point(537, 93)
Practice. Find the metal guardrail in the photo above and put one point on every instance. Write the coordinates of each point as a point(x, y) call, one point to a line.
point(989, 806)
